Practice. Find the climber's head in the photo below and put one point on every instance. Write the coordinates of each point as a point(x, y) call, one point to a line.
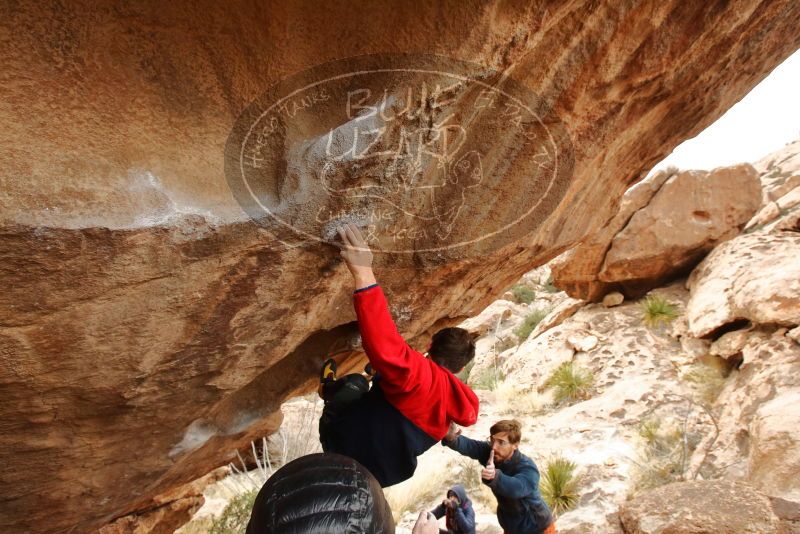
point(452, 348)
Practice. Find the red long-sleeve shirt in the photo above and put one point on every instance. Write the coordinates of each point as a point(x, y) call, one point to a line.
point(429, 395)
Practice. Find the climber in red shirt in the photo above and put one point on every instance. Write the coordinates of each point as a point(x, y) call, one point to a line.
point(413, 398)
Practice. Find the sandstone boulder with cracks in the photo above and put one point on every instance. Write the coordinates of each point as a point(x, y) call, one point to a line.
point(148, 328)
point(754, 277)
point(780, 179)
point(664, 226)
point(722, 507)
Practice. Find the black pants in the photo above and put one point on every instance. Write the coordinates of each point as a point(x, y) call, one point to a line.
point(338, 396)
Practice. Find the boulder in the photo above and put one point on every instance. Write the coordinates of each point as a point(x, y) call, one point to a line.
point(758, 420)
point(582, 342)
point(615, 298)
point(780, 181)
point(153, 318)
point(575, 271)
point(491, 318)
point(729, 344)
point(168, 511)
point(662, 231)
point(774, 461)
point(780, 171)
point(754, 277)
point(718, 506)
point(563, 310)
point(789, 514)
point(794, 333)
point(691, 213)
point(777, 215)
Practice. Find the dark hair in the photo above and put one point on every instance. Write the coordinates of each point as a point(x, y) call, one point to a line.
point(321, 493)
point(452, 348)
point(512, 426)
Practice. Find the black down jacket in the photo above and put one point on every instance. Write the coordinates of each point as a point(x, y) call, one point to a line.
point(321, 493)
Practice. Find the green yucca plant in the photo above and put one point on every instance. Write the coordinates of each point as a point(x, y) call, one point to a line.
point(658, 310)
point(559, 485)
point(570, 382)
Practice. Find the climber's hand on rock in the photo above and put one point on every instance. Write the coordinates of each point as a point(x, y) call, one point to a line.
point(356, 255)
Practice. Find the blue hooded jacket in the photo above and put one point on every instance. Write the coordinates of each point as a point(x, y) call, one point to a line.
point(460, 520)
point(520, 508)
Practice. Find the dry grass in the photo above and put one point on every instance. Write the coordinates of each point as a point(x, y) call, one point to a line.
point(549, 286)
point(512, 399)
point(707, 379)
point(487, 378)
point(268, 454)
point(470, 478)
point(415, 494)
point(663, 456)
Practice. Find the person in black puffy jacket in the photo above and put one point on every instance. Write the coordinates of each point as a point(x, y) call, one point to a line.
point(320, 494)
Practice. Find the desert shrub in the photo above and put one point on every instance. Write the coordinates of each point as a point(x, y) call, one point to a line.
point(707, 379)
point(463, 375)
point(235, 516)
point(559, 485)
point(663, 458)
point(648, 430)
point(549, 286)
point(529, 323)
point(523, 294)
point(486, 378)
point(657, 310)
point(570, 383)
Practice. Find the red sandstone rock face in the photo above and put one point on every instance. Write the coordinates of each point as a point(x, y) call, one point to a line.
point(148, 328)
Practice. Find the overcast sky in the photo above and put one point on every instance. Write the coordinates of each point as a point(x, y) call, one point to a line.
point(763, 121)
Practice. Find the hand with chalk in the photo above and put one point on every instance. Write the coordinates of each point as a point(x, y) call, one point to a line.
point(488, 472)
point(357, 255)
